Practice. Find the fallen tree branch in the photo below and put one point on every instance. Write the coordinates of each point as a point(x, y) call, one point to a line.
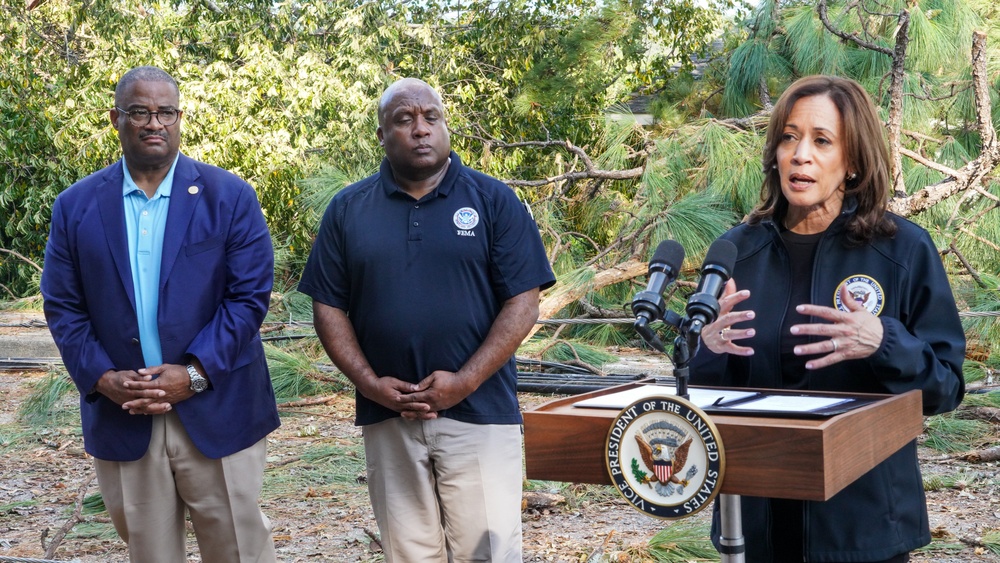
point(972, 175)
point(989, 414)
point(309, 402)
point(980, 456)
point(74, 519)
point(564, 295)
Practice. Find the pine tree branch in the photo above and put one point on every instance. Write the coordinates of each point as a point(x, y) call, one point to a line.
point(765, 95)
point(947, 171)
point(556, 301)
point(968, 266)
point(595, 312)
point(918, 136)
point(974, 236)
point(590, 171)
point(981, 89)
point(852, 37)
point(974, 173)
point(898, 75)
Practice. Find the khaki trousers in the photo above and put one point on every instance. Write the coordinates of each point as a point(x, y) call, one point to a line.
point(445, 491)
point(147, 499)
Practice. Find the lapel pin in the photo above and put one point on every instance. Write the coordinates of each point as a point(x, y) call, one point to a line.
point(193, 190)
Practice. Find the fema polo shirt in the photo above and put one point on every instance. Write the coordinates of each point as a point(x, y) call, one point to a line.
point(422, 281)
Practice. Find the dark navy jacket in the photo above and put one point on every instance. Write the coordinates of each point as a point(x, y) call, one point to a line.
point(884, 512)
point(215, 284)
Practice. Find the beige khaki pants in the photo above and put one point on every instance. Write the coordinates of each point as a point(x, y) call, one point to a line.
point(445, 491)
point(147, 499)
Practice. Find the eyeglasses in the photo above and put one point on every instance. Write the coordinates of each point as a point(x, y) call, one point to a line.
point(142, 117)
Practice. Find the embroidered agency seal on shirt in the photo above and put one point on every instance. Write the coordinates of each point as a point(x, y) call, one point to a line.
point(865, 290)
point(466, 219)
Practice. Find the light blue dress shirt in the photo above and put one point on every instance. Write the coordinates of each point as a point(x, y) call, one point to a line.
point(145, 221)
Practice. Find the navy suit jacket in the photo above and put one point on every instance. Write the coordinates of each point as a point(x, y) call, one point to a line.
point(215, 285)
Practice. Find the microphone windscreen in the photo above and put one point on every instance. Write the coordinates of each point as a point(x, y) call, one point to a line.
point(671, 253)
point(721, 254)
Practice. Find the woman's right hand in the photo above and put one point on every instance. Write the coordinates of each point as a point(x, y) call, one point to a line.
point(720, 336)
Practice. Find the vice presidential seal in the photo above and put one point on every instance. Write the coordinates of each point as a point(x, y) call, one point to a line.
point(665, 457)
point(863, 289)
point(466, 218)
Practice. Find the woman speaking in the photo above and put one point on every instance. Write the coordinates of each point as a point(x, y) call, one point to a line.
point(831, 292)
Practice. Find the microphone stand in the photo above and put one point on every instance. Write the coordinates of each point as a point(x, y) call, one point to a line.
point(688, 333)
point(681, 356)
point(732, 548)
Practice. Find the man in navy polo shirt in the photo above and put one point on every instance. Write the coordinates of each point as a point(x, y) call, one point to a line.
point(425, 279)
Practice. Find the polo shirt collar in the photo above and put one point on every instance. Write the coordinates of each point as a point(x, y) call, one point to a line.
point(164, 189)
point(443, 189)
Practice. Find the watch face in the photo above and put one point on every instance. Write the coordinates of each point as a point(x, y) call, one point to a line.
point(198, 383)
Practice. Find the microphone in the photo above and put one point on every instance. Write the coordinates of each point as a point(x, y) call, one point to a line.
point(703, 306)
point(648, 305)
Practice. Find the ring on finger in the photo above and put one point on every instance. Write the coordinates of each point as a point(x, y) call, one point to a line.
point(724, 334)
point(834, 342)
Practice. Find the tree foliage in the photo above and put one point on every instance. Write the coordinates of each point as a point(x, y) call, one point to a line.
point(284, 95)
point(273, 90)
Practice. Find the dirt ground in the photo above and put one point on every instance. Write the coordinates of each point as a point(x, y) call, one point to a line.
point(317, 501)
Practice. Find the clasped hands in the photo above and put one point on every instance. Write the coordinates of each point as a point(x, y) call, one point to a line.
point(419, 401)
point(147, 391)
point(853, 334)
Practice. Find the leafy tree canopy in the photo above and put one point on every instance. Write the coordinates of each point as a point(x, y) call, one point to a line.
point(271, 90)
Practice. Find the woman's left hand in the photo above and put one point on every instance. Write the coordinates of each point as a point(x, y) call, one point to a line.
point(853, 334)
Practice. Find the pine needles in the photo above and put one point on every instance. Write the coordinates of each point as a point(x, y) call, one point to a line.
point(950, 434)
point(991, 541)
point(681, 542)
point(295, 375)
point(322, 470)
point(43, 404)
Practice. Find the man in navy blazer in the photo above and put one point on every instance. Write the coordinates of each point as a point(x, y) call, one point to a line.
point(158, 274)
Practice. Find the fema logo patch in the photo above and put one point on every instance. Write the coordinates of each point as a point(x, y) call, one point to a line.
point(865, 290)
point(466, 218)
point(665, 457)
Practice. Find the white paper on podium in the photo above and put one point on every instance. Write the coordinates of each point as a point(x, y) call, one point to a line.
point(790, 403)
point(701, 398)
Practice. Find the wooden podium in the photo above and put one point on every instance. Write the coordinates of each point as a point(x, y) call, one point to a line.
point(780, 457)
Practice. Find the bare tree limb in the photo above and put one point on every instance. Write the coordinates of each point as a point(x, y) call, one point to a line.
point(74, 519)
point(972, 175)
point(917, 135)
point(947, 171)
point(981, 88)
point(825, 18)
point(308, 402)
point(968, 267)
point(980, 239)
point(596, 312)
point(590, 170)
point(898, 74)
point(980, 456)
point(765, 95)
point(22, 257)
point(558, 300)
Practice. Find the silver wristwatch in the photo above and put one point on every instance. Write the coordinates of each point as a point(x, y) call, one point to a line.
point(198, 382)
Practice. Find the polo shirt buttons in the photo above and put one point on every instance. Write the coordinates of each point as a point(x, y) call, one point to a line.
point(416, 223)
